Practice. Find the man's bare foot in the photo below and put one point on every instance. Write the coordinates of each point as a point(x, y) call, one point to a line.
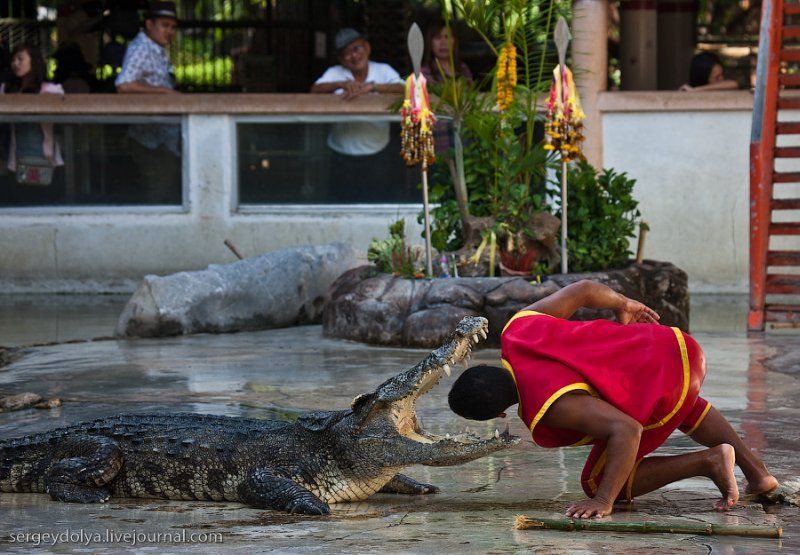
point(722, 459)
point(762, 485)
point(589, 508)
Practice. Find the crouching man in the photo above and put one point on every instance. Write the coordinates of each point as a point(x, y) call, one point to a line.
point(622, 387)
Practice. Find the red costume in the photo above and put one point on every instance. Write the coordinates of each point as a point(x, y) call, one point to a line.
point(650, 372)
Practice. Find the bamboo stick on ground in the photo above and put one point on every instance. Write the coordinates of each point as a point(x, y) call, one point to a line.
point(646, 527)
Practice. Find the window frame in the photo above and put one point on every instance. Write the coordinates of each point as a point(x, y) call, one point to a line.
point(399, 209)
point(81, 119)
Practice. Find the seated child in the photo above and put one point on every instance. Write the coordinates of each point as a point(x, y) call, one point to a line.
point(622, 387)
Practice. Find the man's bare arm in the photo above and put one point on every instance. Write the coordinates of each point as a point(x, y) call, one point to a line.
point(600, 420)
point(590, 294)
point(327, 88)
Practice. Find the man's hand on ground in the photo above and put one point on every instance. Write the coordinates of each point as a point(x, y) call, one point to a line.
point(634, 312)
point(589, 508)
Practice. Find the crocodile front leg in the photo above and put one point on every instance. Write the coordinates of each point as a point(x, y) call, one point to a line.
point(407, 486)
point(85, 465)
point(264, 489)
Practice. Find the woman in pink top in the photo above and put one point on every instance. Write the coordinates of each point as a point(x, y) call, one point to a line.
point(28, 72)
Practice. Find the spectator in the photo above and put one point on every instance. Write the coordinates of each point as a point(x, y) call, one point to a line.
point(72, 71)
point(707, 74)
point(146, 69)
point(440, 57)
point(357, 146)
point(33, 144)
point(437, 62)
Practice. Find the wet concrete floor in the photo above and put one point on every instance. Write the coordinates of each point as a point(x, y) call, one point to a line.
point(276, 374)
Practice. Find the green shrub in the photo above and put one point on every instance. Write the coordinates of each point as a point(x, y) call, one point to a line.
point(393, 256)
point(603, 216)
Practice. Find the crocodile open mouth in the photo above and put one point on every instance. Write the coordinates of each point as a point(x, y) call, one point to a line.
point(457, 349)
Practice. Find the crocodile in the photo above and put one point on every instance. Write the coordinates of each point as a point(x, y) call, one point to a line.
point(323, 457)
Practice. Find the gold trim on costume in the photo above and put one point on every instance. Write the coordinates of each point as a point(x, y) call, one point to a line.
point(555, 396)
point(550, 401)
point(520, 314)
point(507, 365)
point(584, 441)
point(598, 466)
point(686, 379)
point(699, 420)
point(629, 488)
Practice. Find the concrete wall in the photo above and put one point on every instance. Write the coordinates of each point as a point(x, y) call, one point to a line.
point(688, 152)
point(73, 249)
point(689, 155)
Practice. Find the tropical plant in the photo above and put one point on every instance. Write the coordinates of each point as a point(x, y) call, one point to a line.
point(602, 217)
point(498, 165)
point(393, 256)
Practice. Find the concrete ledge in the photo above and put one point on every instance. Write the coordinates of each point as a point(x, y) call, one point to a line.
point(146, 104)
point(675, 101)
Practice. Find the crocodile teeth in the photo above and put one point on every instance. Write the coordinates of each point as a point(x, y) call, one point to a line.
point(483, 334)
point(466, 430)
point(447, 436)
point(496, 433)
point(447, 369)
point(475, 338)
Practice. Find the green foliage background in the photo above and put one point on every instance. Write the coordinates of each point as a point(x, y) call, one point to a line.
point(602, 217)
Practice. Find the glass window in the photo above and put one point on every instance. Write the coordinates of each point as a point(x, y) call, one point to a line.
point(347, 162)
point(107, 164)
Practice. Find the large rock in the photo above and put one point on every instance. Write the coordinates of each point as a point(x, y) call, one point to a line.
point(386, 310)
point(277, 289)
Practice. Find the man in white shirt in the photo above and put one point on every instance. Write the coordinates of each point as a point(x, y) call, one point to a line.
point(355, 76)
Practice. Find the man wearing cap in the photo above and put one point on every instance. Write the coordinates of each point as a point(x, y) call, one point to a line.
point(356, 143)
point(146, 69)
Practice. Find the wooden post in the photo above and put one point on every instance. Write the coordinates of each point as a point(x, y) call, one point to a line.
point(564, 253)
point(428, 249)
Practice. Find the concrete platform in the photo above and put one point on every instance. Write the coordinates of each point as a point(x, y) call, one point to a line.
point(276, 374)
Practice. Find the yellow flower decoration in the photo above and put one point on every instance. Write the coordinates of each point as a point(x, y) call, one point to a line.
point(506, 75)
point(564, 125)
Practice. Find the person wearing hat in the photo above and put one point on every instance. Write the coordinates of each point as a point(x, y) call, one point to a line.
point(356, 75)
point(356, 143)
point(146, 69)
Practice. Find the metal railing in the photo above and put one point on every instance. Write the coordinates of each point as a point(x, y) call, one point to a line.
point(762, 155)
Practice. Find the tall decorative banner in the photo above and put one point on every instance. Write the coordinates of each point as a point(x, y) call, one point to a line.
point(564, 125)
point(416, 125)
